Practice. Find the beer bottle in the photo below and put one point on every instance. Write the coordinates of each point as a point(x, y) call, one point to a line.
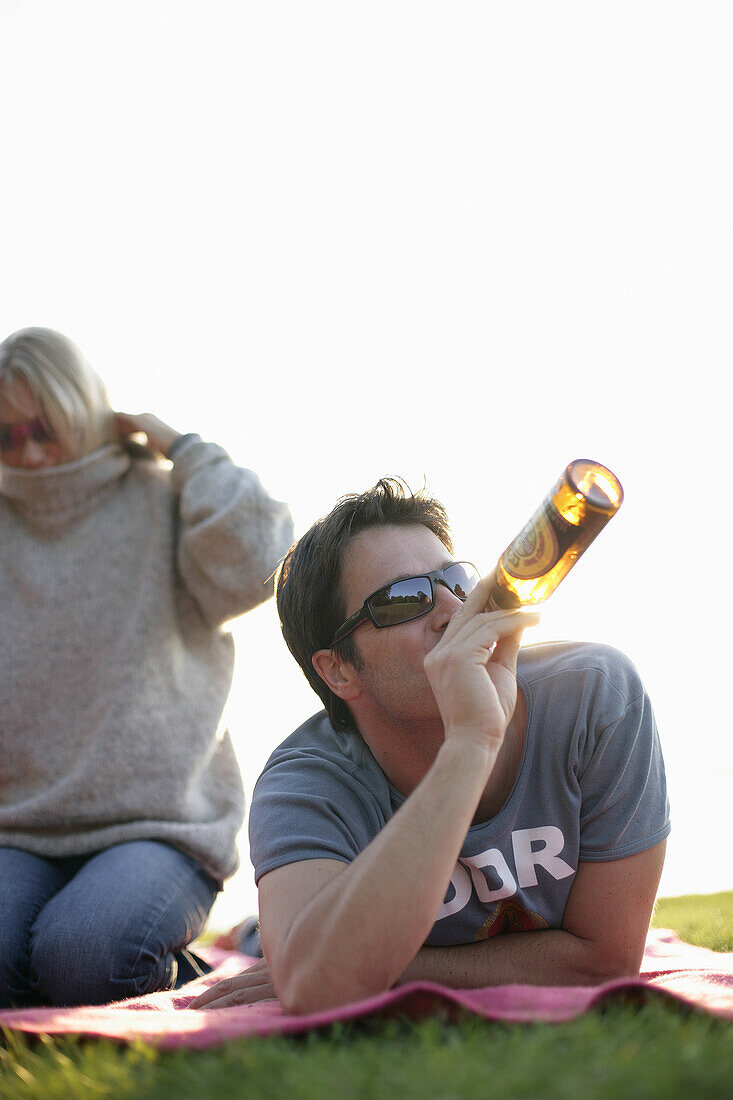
point(579, 506)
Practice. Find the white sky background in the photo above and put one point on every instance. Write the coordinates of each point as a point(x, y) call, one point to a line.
point(464, 243)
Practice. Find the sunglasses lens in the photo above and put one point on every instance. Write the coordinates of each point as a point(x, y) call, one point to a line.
point(462, 578)
point(402, 601)
point(13, 436)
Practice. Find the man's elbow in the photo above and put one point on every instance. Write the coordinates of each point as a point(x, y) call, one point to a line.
point(306, 989)
point(299, 995)
point(305, 994)
point(606, 964)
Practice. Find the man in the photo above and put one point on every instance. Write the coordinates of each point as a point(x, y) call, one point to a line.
point(444, 800)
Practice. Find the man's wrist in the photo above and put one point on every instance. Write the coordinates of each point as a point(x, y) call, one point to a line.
point(471, 755)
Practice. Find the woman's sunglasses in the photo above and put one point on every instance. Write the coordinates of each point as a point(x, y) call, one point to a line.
point(409, 598)
point(13, 436)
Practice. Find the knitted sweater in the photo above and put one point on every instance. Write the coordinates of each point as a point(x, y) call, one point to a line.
point(116, 577)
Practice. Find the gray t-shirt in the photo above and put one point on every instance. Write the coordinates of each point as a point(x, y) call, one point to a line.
point(591, 787)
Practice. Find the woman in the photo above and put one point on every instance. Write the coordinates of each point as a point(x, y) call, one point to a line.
point(120, 796)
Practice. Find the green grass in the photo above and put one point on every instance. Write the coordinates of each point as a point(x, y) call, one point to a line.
point(706, 920)
point(628, 1051)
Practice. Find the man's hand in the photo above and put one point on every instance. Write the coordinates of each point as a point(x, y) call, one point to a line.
point(473, 669)
point(161, 436)
point(253, 984)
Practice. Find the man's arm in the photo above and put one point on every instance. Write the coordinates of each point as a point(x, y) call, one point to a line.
point(603, 935)
point(604, 930)
point(334, 933)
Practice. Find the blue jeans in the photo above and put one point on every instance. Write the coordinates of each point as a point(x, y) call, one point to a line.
point(99, 928)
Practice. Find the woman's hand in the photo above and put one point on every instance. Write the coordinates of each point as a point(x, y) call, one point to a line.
point(160, 436)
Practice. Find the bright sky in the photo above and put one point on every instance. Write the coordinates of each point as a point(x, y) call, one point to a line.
point(463, 243)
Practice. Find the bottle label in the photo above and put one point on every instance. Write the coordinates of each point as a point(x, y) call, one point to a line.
point(536, 548)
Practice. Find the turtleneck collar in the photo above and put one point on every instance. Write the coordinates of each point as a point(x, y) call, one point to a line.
point(58, 494)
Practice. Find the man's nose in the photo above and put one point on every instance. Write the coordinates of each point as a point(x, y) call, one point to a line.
point(446, 605)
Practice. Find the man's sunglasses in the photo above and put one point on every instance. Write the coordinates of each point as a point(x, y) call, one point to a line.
point(13, 436)
point(410, 598)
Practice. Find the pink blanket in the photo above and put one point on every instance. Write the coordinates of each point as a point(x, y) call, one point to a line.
point(686, 975)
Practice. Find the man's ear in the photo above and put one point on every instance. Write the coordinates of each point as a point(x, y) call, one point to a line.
point(338, 675)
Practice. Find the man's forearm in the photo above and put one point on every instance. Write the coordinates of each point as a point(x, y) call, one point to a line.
point(548, 957)
point(606, 921)
point(359, 932)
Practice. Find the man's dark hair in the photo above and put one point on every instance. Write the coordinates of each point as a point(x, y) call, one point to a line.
point(310, 601)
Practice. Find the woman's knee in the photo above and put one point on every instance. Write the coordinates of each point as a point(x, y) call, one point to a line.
point(85, 965)
point(26, 884)
point(13, 945)
point(94, 943)
point(15, 967)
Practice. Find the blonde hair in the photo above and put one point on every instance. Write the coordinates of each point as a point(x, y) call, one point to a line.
point(71, 396)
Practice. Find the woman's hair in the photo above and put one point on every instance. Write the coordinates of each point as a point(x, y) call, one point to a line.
point(310, 601)
point(71, 397)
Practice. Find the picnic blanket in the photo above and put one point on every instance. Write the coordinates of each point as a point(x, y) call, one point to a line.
point(692, 977)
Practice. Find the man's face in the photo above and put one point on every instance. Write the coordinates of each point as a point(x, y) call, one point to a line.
point(391, 671)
